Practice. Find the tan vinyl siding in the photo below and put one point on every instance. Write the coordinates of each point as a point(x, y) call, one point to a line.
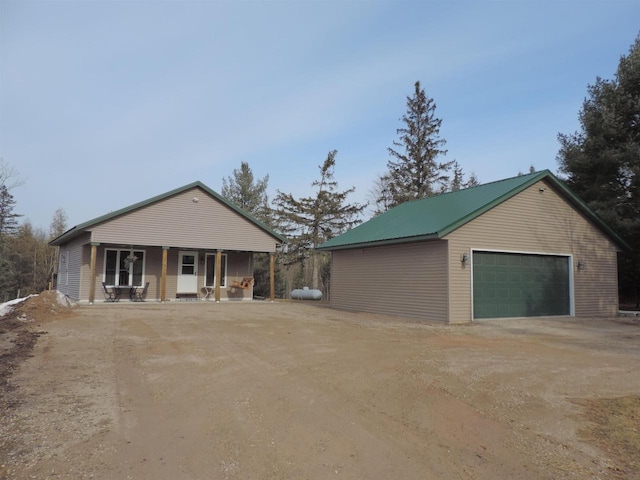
point(407, 280)
point(179, 221)
point(238, 266)
point(536, 221)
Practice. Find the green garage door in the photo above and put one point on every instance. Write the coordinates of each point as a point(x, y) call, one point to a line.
point(520, 285)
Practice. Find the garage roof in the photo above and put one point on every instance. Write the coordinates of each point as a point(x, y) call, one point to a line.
point(437, 216)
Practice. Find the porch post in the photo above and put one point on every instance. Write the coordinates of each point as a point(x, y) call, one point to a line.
point(217, 275)
point(92, 274)
point(163, 278)
point(272, 277)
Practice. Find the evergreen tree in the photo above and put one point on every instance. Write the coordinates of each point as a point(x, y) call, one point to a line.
point(380, 194)
point(251, 195)
point(8, 219)
point(312, 220)
point(248, 193)
point(602, 160)
point(414, 169)
point(9, 283)
point(458, 181)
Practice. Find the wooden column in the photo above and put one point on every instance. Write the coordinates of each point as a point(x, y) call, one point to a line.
point(272, 277)
point(217, 275)
point(92, 274)
point(163, 278)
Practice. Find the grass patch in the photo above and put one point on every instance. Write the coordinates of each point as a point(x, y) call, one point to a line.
point(615, 428)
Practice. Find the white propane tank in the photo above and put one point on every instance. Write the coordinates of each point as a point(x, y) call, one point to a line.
point(306, 293)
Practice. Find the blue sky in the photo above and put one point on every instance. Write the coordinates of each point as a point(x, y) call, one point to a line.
point(107, 103)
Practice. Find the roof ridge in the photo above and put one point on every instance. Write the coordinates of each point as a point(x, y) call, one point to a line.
point(439, 215)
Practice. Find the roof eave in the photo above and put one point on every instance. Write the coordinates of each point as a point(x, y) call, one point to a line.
point(590, 214)
point(380, 243)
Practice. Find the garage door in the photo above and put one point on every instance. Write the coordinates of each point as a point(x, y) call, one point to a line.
point(520, 285)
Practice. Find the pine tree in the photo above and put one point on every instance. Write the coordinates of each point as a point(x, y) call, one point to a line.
point(244, 191)
point(414, 169)
point(458, 181)
point(602, 160)
point(9, 283)
point(312, 220)
point(8, 219)
point(247, 193)
point(380, 194)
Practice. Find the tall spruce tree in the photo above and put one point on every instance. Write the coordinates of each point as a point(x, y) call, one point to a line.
point(312, 220)
point(602, 160)
point(414, 169)
point(251, 195)
point(247, 192)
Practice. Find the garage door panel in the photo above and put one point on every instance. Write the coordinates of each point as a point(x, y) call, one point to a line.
point(520, 285)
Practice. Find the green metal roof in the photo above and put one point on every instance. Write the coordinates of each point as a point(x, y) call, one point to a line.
point(84, 227)
point(437, 216)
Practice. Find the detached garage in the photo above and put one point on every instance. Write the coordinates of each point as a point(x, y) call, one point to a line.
point(521, 247)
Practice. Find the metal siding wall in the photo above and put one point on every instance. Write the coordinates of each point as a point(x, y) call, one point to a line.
point(538, 222)
point(407, 280)
point(179, 221)
point(73, 250)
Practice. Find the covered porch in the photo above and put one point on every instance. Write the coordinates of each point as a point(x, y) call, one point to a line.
point(171, 273)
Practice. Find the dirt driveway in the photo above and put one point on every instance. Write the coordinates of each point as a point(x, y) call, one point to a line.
point(261, 390)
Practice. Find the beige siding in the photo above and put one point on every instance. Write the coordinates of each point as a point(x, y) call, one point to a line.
point(537, 221)
point(238, 266)
point(179, 221)
point(407, 280)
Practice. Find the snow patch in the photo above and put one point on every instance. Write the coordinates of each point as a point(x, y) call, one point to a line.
point(64, 300)
point(8, 306)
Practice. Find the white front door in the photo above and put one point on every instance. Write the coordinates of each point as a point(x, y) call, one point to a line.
point(188, 272)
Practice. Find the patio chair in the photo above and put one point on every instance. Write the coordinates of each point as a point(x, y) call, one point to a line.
point(137, 295)
point(110, 294)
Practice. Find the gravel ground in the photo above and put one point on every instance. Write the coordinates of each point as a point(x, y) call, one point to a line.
point(260, 390)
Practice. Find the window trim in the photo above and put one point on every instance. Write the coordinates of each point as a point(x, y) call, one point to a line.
point(118, 260)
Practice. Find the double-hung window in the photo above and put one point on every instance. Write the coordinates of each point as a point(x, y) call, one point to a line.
point(124, 267)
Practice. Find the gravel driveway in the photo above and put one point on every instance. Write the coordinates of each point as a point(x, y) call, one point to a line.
point(260, 390)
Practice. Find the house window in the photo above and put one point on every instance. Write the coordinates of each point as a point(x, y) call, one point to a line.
point(210, 274)
point(124, 267)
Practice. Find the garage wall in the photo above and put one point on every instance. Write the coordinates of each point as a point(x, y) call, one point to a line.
point(407, 280)
point(538, 220)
